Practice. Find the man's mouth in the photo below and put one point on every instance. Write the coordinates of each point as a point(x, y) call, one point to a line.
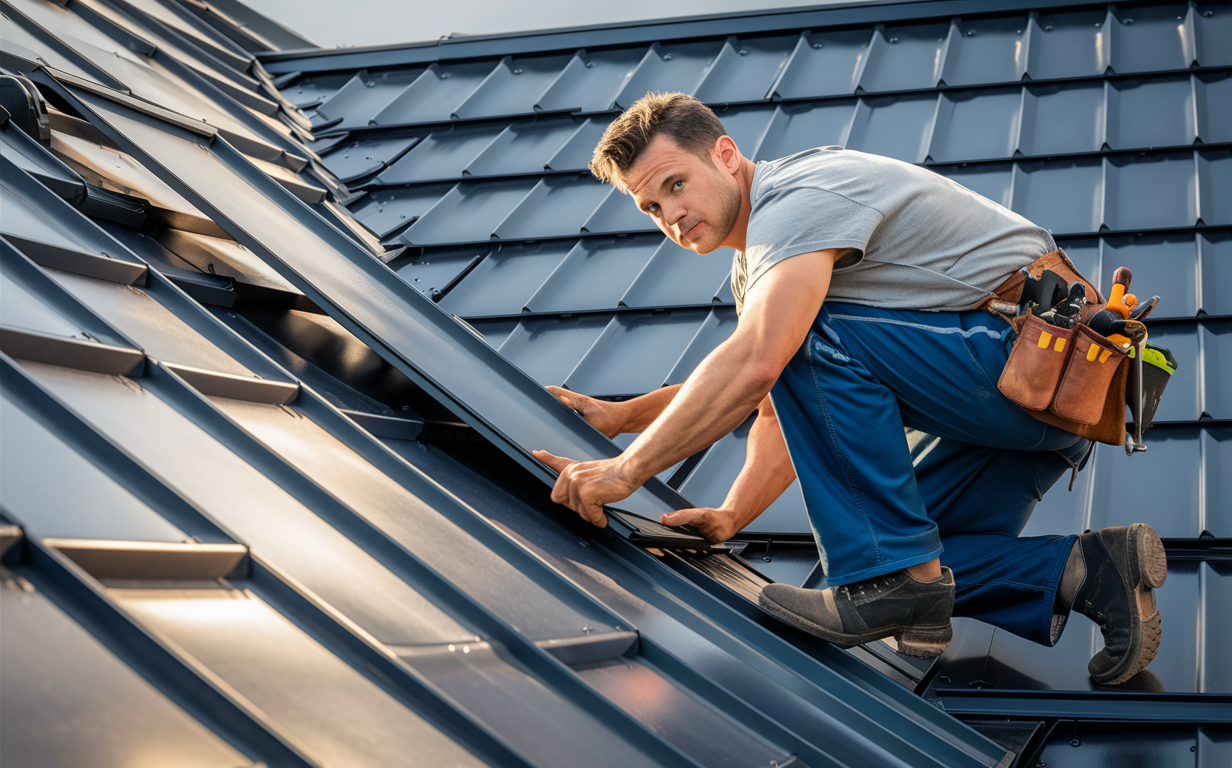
point(687, 234)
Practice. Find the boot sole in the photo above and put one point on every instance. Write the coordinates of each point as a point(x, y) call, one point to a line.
point(1149, 571)
point(919, 642)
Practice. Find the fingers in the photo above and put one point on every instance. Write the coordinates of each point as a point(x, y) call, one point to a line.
point(562, 394)
point(557, 463)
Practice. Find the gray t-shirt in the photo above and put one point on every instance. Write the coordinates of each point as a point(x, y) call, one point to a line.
point(921, 241)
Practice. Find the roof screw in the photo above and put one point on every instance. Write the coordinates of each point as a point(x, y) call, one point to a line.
point(590, 65)
point(586, 629)
point(403, 215)
point(774, 763)
point(1041, 764)
point(766, 559)
point(452, 648)
point(819, 45)
point(893, 39)
point(444, 75)
point(1208, 14)
point(406, 408)
point(667, 57)
point(1048, 28)
point(744, 52)
point(970, 33)
point(1127, 22)
point(1075, 743)
point(517, 71)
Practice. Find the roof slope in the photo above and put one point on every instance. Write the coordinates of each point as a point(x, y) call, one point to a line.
point(265, 483)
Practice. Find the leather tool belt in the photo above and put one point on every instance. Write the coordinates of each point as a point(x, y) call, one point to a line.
point(1072, 378)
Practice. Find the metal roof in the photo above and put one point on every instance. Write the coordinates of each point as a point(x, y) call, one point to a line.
point(272, 362)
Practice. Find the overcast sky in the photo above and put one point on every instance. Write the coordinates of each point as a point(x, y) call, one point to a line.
point(332, 23)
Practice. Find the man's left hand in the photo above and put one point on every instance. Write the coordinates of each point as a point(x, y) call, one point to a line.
point(585, 486)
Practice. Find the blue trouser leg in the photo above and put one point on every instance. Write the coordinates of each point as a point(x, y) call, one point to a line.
point(843, 400)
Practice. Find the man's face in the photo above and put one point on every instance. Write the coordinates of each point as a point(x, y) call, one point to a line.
point(695, 201)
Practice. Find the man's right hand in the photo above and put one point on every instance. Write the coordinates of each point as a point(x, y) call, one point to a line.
point(607, 417)
point(716, 525)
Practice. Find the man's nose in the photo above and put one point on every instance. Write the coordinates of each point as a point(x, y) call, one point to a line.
point(674, 214)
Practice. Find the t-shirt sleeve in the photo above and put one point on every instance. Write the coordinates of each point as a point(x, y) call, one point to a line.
point(795, 220)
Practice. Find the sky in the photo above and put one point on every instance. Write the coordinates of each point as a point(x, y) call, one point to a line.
point(335, 23)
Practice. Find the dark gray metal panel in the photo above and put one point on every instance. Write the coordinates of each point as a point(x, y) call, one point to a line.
point(695, 727)
point(495, 332)
point(745, 69)
point(746, 125)
point(669, 67)
point(386, 211)
point(1217, 482)
point(991, 50)
point(1151, 191)
point(616, 214)
point(425, 531)
point(678, 277)
point(354, 160)
point(55, 491)
point(505, 280)
point(434, 95)
point(1062, 118)
point(1214, 108)
point(824, 63)
point(976, 125)
point(894, 126)
point(317, 556)
point(56, 673)
point(1061, 196)
point(557, 206)
point(443, 154)
point(364, 95)
point(636, 352)
point(1151, 38)
point(19, 309)
point(469, 212)
point(214, 256)
point(1123, 495)
point(1071, 44)
point(1152, 112)
point(1217, 369)
point(436, 268)
point(591, 80)
point(39, 162)
point(595, 274)
point(1215, 186)
point(718, 326)
point(1213, 30)
point(549, 348)
point(1164, 265)
point(992, 180)
point(797, 128)
point(578, 149)
point(513, 87)
point(525, 147)
point(1216, 250)
point(315, 88)
point(352, 720)
point(904, 57)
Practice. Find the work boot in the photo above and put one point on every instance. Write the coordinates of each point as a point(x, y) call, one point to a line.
point(1123, 566)
point(916, 613)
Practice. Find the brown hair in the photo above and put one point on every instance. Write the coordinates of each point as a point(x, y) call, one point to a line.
point(687, 121)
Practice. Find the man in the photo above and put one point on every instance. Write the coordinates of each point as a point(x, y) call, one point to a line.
point(856, 279)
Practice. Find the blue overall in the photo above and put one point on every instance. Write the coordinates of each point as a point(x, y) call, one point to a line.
point(880, 499)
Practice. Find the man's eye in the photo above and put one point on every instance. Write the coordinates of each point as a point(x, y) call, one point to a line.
point(678, 185)
point(652, 208)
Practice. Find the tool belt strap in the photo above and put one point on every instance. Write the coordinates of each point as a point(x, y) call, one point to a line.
point(1004, 303)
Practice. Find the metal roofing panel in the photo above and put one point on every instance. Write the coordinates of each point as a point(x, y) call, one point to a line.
point(432, 271)
point(894, 126)
point(595, 274)
point(719, 325)
point(824, 63)
point(315, 88)
point(1216, 250)
point(549, 348)
point(505, 280)
point(19, 309)
point(1062, 118)
point(1217, 369)
point(513, 87)
point(591, 80)
point(494, 332)
point(1152, 112)
point(577, 150)
point(55, 491)
point(353, 721)
point(677, 277)
point(212, 256)
point(36, 160)
point(1060, 195)
point(354, 160)
point(525, 147)
point(1174, 508)
point(1214, 107)
point(57, 672)
point(1214, 185)
point(387, 211)
point(1166, 265)
point(995, 181)
point(557, 206)
point(904, 57)
point(1170, 177)
point(434, 95)
point(976, 125)
point(468, 212)
point(745, 69)
point(1213, 30)
point(318, 556)
point(669, 67)
point(443, 154)
point(636, 352)
point(746, 125)
point(990, 50)
point(365, 95)
point(1150, 38)
point(1072, 44)
point(795, 128)
point(32, 213)
point(616, 214)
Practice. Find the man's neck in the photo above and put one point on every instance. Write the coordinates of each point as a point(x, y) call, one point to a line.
point(739, 233)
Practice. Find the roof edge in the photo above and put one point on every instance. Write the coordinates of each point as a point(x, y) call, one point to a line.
point(606, 35)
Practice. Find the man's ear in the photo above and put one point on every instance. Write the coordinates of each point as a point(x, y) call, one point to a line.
point(726, 154)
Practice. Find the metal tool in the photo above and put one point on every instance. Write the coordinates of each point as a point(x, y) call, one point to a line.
point(1044, 291)
point(1153, 374)
point(1144, 309)
point(1065, 314)
point(1135, 334)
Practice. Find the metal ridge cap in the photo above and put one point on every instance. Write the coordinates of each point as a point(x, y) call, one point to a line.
point(650, 30)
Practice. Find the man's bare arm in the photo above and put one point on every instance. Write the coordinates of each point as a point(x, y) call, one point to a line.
point(617, 418)
point(767, 472)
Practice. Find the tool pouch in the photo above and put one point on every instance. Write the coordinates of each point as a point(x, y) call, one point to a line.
point(1071, 378)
